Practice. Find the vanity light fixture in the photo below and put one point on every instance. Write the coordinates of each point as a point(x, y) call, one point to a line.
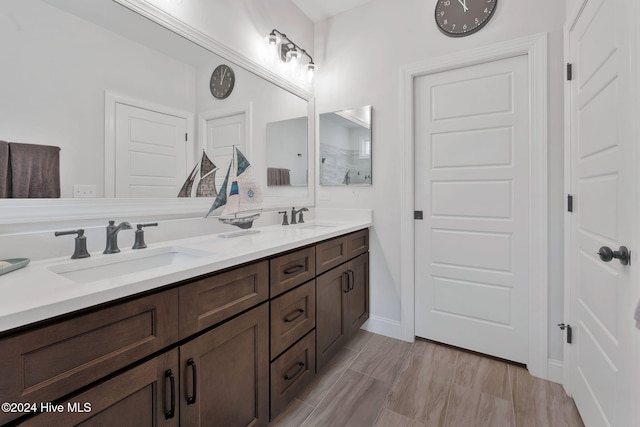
point(281, 48)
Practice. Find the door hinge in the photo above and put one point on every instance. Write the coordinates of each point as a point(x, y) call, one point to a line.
point(417, 215)
point(186, 138)
point(569, 71)
point(563, 326)
point(569, 203)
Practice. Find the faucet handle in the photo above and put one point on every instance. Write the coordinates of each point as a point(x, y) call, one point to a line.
point(285, 220)
point(139, 242)
point(81, 243)
point(293, 215)
point(300, 215)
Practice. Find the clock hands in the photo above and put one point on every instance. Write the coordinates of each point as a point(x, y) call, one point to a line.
point(224, 71)
point(464, 4)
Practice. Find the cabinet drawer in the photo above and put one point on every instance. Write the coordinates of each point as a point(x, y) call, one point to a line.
point(212, 300)
point(292, 269)
point(331, 253)
point(292, 315)
point(46, 363)
point(291, 373)
point(357, 243)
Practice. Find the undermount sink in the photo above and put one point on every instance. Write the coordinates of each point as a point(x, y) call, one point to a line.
point(315, 226)
point(115, 265)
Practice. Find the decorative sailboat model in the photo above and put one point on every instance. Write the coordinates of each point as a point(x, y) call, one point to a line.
point(206, 184)
point(240, 195)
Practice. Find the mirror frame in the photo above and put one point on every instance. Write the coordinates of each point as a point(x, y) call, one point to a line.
point(28, 211)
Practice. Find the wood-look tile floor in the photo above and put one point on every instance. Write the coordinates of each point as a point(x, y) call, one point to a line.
point(382, 382)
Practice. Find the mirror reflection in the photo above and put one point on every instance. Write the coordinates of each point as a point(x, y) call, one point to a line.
point(129, 103)
point(345, 147)
point(286, 161)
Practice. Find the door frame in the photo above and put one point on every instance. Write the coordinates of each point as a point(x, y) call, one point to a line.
point(535, 47)
point(110, 101)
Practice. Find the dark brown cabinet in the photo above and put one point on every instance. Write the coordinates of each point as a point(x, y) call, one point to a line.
point(229, 349)
point(342, 306)
point(225, 374)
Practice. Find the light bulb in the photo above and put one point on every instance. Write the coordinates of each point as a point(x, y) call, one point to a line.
point(294, 62)
point(311, 71)
point(273, 42)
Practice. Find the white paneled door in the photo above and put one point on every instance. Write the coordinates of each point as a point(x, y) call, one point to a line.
point(150, 152)
point(472, 184)
point(601, 152)
point(221, 135)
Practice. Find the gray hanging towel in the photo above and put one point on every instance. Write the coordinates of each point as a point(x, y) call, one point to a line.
point(35, 170)
point(5, 171)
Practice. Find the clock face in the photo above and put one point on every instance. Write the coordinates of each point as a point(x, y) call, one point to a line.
point(459, 18)
point(222, 81)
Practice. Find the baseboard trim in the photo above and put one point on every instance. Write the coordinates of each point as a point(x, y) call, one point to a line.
point(384, 326)
point(555, 369)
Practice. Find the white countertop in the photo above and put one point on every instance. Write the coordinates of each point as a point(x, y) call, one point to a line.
point(36, 293)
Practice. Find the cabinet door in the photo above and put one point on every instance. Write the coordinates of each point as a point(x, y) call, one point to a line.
point(141, 396)
point(331, 312)
point(358, 296)
point(225, 374)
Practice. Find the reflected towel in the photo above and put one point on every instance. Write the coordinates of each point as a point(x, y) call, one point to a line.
point(35, 170)
point(5, 171)
point(637, 316)
point(278, 176)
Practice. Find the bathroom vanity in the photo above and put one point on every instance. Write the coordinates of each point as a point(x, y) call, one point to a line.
point(225, 339)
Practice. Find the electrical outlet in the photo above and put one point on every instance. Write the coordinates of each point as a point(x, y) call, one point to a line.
point(324, 195)
point(84, 191)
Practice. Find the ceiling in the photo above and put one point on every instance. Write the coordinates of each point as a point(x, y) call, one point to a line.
point(319, 10)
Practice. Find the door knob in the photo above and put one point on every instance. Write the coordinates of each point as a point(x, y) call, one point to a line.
point(623, 254)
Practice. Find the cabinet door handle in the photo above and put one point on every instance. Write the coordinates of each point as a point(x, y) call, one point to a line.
point(288, 377)
point(352, 280)
point(194, 375)
point(171, 412)
point(346, 288)
point(294, 269)
point(297, 313)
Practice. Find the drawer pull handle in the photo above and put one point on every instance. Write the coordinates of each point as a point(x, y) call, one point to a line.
point(171, 412)
point(346, 288)
point(294, 269)
point(288, 318)
point(298, 371)
point(352, 280)
point(192, 399)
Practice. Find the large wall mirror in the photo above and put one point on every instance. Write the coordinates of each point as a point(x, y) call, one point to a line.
point(345, 147)
point(128, 103)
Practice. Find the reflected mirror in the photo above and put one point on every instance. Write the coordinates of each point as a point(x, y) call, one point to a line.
point(287, 156)
point(129, 102)
point(345, 147)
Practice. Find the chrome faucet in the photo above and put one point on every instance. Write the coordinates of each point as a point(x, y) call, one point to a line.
point(112, 236)
point(300, 218)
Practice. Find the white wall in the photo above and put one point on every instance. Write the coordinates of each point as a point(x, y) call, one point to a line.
point(360, 54)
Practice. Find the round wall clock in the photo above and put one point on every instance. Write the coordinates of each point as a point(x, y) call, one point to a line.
point(459, 18)
point(222, 81)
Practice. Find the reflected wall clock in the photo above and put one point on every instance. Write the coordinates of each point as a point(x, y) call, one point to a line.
point(459, 18)
point(222, 81)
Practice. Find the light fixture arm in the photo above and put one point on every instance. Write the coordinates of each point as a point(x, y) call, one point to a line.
point(289, 43)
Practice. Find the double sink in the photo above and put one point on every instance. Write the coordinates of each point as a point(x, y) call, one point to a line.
point(108, 267)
